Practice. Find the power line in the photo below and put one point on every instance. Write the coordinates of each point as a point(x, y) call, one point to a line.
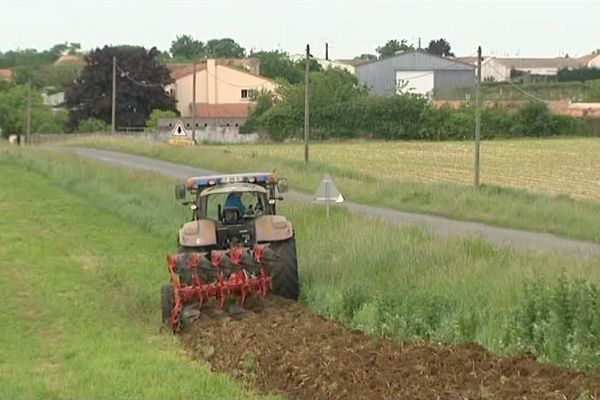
point(519, 88)
point(125, 74)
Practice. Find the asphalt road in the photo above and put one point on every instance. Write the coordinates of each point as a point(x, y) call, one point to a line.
point(442, 226)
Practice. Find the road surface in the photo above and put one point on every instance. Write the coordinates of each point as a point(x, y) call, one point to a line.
point(541, 242)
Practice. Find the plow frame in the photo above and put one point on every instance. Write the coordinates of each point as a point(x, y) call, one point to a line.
point(239, 283)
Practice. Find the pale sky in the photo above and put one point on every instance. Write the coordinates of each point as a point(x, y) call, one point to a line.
point(514, 28)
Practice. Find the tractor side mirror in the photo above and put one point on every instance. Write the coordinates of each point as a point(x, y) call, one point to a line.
point(282, 185)
point(180, 191)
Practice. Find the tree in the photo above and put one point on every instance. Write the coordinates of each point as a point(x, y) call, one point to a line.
point(367, 57)
point(13, 110)
point(392, 47)
point(440, 47)
point(156, 115)
point(224, 48)
point(141, 82)
point(332, 92)
point(92, 125)
point(187, 47)
point(277, 64)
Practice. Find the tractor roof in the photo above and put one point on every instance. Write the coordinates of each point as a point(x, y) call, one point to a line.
point(212, 180)
point(232, 188)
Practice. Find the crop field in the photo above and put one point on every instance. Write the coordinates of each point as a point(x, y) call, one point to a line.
point(550, 185)
point(555, 166)
point(385, 281)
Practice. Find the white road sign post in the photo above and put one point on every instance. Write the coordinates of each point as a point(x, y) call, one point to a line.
point(327, 192)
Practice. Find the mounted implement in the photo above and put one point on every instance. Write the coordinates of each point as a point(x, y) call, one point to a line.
point(234, 247)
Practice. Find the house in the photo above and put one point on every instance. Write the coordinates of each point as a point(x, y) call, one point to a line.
point(224, 95)
point(414, 72)
point(497, 69)
point(224, 89)
point(70, 59)
point(5, 74)
point(347, 65)
point(590, 60)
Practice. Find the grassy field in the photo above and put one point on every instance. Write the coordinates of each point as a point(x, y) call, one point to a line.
point(402, 283)
point(550, 185)
point(79, 300)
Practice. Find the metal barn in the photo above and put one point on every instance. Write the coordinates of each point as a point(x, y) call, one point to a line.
point(414, 72)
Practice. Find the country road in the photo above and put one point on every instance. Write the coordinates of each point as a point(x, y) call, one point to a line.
point(442, 226)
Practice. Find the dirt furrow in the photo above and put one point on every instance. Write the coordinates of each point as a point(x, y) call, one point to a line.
point(282, 348)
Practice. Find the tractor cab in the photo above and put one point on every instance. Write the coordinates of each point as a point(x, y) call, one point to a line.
point(233, 204)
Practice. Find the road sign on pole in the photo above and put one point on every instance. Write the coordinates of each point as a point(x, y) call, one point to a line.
point(327, 192)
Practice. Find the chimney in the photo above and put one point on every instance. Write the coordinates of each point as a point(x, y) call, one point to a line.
point(211, 78)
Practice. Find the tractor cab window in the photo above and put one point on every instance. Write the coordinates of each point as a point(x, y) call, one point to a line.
point(229, 207)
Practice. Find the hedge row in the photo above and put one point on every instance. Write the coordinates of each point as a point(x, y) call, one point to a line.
point(413, 118)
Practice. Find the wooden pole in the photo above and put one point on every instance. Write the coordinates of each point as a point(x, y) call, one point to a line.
point(307, 104)
point(477, 118)
point(194, 106)
point(113, 119)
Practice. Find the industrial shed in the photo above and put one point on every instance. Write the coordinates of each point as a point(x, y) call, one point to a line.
point(414, 72)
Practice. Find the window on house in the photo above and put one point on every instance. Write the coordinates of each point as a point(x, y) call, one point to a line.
point(247, 93)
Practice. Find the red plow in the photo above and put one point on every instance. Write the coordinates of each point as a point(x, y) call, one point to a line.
point(197, 278)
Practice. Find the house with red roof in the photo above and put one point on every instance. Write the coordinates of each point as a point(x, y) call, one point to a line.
point(5, 74)
point(224, 90)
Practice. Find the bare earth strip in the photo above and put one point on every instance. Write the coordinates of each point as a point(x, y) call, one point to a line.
point(438, 225)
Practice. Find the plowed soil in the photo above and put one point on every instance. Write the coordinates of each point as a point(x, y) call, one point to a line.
point(282, 348)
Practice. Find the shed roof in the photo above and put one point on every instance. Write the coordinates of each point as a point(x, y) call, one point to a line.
point(419, 60)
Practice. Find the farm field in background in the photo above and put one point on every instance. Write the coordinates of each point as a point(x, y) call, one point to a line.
point(554, 166)
point(402, 283)
point(519, 176)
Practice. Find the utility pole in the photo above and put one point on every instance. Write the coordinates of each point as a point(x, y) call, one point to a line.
point(194, 106)
point(477, 117)
point(307, 105)
point(326, 51)
point(113, 119)
point(29, 112)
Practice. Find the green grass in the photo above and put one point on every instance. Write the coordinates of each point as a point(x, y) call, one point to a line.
point(79, 300)
point(383, 174)
point(402, 283)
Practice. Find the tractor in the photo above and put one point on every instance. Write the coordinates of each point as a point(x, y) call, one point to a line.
point(235, 246)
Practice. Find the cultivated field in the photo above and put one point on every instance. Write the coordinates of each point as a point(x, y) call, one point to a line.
point(522, 177)
point(555, 166)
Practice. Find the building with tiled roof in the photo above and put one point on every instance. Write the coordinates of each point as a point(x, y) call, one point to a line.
point(224, 88)
point(5, 74)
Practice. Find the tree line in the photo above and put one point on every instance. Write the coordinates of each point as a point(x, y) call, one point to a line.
point(341, 108)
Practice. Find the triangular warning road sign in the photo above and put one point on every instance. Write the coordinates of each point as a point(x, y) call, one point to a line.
point(327, 191)
point(179, 130)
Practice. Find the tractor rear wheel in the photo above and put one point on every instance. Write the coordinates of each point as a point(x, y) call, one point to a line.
point(284, 270)
point(167, 302)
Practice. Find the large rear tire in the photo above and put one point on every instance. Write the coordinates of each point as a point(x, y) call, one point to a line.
point(167, 302)
point(284, 269)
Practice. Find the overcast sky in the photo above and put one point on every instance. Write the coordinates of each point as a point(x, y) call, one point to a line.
point(515, 28)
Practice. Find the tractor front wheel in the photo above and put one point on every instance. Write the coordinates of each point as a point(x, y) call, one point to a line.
point(284, 269)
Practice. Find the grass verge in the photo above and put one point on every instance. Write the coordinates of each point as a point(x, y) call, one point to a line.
point(79, 301)
point(507, 207)
point(403, 283)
